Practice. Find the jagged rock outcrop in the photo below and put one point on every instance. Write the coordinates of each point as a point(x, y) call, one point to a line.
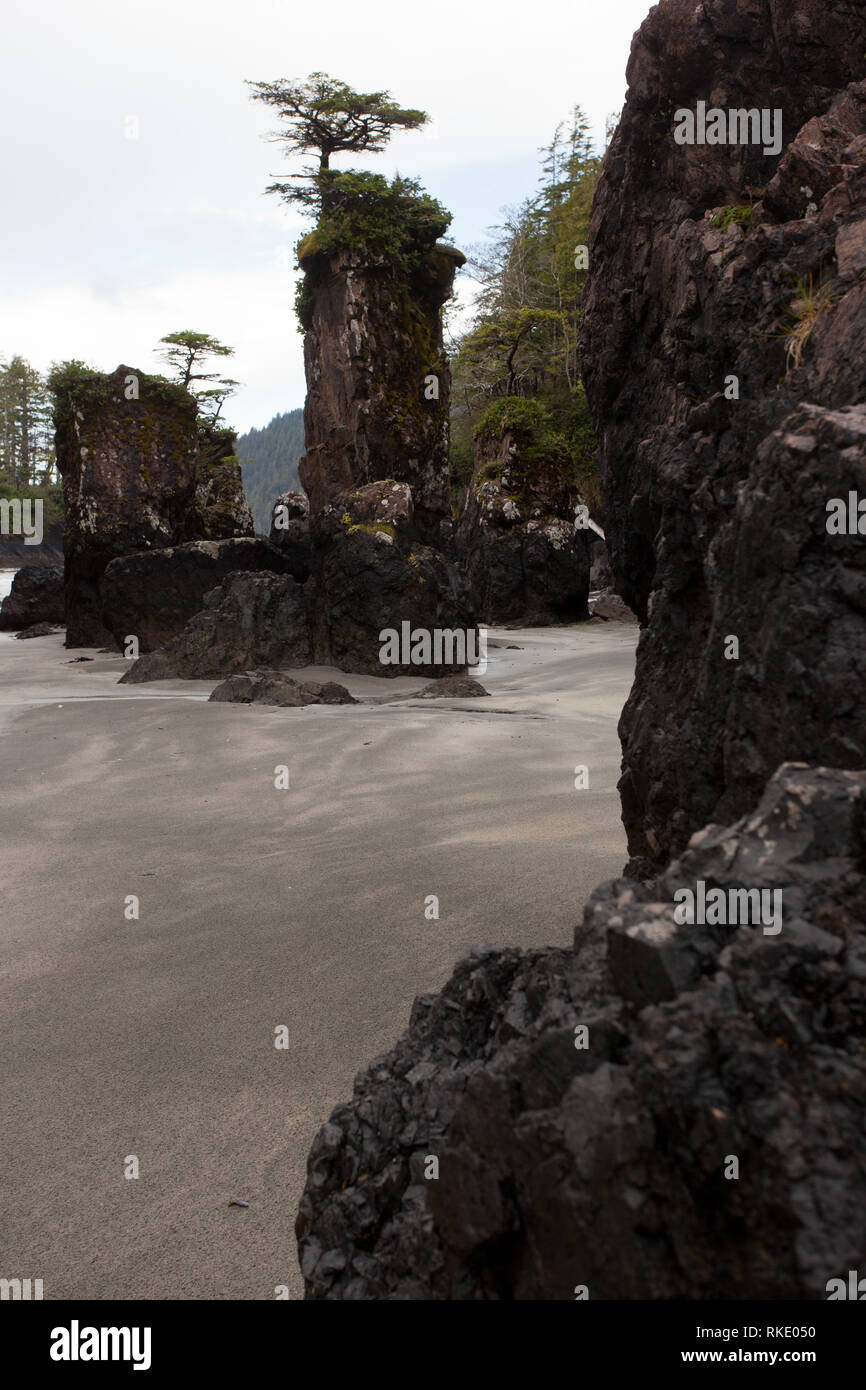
point(702, 1138)
point(378, 383)
point(248, 621)
point(376, 466)
point(138, 474)
point(36, 596)
point(153, 594)
point(370, 577)
point(708, 263)
point(599, 1158)
point(363, 540)
point(523, 558)
point(221, 508)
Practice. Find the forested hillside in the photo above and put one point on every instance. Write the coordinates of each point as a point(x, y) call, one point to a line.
point(27, 466)
point(524, 338)
point(269, 458)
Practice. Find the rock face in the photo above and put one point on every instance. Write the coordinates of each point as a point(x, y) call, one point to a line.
point(599, 1158)
point(290, 532)
point(154, 594)
point(364, 541)
point(36, 596)
point(276, 688)
point(378, 384)
point(573, 1120)
point(138, 474)
point(376, 466)
point(221, 508)
point(716, 503)
point(523, 559)
point(249, 621)
point(372, 578)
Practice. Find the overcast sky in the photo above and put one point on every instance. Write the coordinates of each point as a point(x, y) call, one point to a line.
point(108, 242)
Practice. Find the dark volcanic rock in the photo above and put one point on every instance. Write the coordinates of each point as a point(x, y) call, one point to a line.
point(153, 595)
point(367, 583)
point(36, 596)
point(563, 1164)
point(15, 551)
point(601, 574)
point(40, 630)
point(276, 688)
point(523, 559)
point(138, 474)
point(221, 508)
point(609, 607)
point(290, 533)
point(716, 490)
point(452, 687)
point(376, 474)
point(249, 621)
point(567, 1119)
point(373, 341)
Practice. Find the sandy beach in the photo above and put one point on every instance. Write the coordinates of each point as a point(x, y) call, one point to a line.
point(259, 908)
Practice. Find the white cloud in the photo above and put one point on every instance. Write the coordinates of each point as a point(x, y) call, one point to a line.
point(107, 243)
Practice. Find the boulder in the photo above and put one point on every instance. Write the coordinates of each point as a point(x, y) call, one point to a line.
point(248, 621)
point(583, 1106)
point(367, 583)
point(38, 630)
point(153, 594)
point(452, 687)
point(36, 596)
point(276, 688)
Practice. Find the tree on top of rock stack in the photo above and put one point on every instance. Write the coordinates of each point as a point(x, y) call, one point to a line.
point(369, 304)
point(141, 471)
point(378, 386)
point(327, 117)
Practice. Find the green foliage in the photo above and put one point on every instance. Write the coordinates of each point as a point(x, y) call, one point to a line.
point(187, 349)
point(516, 366)
point(26, 437)
point(269, 458)
point(397, 221)
point(50, 493)
point(742, 216)
point(325, 116)
point(75, 386)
